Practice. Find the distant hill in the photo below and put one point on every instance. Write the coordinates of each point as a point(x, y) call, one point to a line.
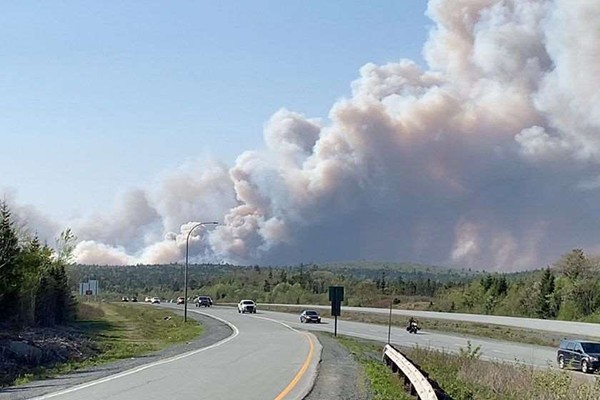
point(408, 271)
point(135, 279)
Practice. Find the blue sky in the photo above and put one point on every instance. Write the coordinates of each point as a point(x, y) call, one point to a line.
point(100, 97)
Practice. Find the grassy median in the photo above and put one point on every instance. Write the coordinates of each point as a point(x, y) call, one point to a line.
point(117, 331)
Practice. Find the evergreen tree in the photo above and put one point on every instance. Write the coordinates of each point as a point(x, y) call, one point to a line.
point(574, 265)
point(9, 263)
point(267, 286)
point(544, 304)
point(283, 276)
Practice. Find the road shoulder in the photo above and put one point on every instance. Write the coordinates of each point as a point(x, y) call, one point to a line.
point(340, 376)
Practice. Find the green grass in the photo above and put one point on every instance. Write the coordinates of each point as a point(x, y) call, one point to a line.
point(122, 331)
point(383, 384)
point(466, 377)
point(540, 338)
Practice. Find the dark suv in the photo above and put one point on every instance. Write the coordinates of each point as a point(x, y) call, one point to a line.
point(579, 354)
point(203, 301)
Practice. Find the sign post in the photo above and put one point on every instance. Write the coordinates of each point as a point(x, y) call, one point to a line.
point(390, 323)
point(336, 296)
point(89, 288)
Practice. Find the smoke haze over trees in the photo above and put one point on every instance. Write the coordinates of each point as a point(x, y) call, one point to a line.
point(487, 156)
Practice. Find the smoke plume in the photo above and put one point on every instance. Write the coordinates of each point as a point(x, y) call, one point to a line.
point(487, 156)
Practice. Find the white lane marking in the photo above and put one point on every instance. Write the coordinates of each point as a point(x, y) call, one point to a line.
point(143, 367)
point(279, 322)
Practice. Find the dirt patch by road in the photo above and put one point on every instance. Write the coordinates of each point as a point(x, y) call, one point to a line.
point(23, 351)
point(340, 376)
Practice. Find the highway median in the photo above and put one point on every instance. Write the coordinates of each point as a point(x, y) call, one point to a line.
point(499, 332)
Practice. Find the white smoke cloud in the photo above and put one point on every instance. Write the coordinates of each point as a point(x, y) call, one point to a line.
point(487, 156)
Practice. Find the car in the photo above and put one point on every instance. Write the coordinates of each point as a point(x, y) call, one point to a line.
point(583, 355)
point(148, 299)
point(155, 300)
point(124, 299)
point(247, 306)
point(203, 301)
point(310, 316)
point(180, 300)
point(134, 299)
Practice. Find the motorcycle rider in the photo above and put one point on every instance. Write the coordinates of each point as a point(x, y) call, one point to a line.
point(412, 323)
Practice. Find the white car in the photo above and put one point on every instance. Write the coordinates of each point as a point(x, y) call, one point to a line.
point(247, 306)
point(155, 300)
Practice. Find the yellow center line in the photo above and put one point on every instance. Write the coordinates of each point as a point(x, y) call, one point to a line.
point(301, 372)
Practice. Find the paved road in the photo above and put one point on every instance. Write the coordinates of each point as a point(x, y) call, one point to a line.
point(562, 327)
point(538, 356)
point(262, 359)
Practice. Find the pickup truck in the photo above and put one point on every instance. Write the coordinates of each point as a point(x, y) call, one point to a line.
point(247, 306)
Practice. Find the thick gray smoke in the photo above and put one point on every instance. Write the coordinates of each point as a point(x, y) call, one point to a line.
point(487, 157)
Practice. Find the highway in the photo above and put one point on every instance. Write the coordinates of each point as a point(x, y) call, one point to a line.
point(538, 356)
point(577, 329)
point(262, 359)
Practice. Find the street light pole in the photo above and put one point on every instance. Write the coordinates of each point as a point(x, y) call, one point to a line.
point(185, 271)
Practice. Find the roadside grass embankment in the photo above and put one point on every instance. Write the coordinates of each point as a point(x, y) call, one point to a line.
point(383, 385)
point(118, 331)
point(466, 377)
point(499, 332)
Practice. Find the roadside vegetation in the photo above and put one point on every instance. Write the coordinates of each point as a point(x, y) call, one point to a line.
point(102, 333)
point(128, 330)
point(466, 377)
point(34, 289)
point(383, 384)
point(567, 290)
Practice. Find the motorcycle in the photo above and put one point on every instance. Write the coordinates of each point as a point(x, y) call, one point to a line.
point(413, 327)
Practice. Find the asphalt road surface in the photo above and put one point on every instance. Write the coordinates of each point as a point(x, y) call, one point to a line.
point(262, 359)
point(537, 356)
point(563, 327)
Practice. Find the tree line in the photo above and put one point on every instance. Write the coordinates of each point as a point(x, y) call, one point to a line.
point(34, 288)
point(569, 289)
point(289, 284)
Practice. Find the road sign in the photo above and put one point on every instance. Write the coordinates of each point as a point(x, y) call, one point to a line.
point(336, 296)
point(336, 293)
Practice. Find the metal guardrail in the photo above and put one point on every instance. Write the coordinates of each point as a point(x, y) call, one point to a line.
point(419, 384)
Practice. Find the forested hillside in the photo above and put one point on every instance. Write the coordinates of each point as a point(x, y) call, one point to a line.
point(365, 285)
point(569, 289)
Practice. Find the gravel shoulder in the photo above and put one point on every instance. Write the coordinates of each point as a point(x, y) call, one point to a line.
point(340, 376)
point(214, 332)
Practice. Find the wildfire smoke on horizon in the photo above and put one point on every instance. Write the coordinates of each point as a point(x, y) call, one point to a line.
point(487, 156)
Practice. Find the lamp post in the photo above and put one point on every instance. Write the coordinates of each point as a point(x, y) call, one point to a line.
point(185, 273)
